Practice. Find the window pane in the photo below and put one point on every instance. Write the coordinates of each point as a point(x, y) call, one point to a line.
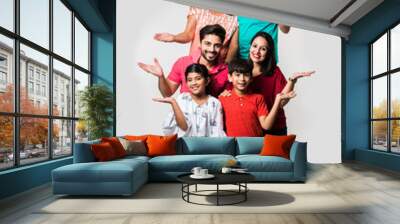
point(379, 97)
point(395, 94)
point(34, 79)
point(395, 129)
point(62, 89)
point(35, 21)
point(62, 29)
point(395, 47)
point(6, 74)
point(7, 14)
point(81, 45)
point(33, 140)
point(6, 142)
point(62, 138)
point(379, 55)
point(81, 81)
point(379, 135)
point(81, 131)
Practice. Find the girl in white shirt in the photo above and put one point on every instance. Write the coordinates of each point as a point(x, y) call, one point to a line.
point(196, 113)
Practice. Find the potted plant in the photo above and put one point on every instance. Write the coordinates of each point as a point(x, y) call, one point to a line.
point(96, 102)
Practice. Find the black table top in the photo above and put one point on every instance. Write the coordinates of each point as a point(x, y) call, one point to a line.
point(220, 178)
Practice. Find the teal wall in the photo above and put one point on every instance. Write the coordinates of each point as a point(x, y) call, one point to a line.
point(355, 107)
point(103, 64)
point(99, 16)
point(103, 53)
point(24, 178)
point(102, 59)
point(381, 159)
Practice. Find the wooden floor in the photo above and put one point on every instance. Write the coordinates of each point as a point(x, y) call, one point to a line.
point(377, 188)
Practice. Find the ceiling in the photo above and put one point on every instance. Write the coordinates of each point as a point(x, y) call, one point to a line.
point(326, 16)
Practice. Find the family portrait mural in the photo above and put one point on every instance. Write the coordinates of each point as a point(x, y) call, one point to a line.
point(229, 83)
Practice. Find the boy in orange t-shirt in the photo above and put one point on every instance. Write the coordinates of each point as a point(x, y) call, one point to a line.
point(246, 113)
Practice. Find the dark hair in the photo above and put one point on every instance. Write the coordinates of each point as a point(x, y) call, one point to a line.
point(215, 29)
point(200, 69)
point(197, 68)
point(269, 64)
point(240, 66)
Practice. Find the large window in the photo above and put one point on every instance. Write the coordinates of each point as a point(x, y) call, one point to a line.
point(385, 91)
point(44, 64)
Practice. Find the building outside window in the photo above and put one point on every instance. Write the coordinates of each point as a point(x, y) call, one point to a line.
point(3, 72)
point(30, 72)
point(43, 90)
point(38, 89)
point(3, 61)
point(3, 78)
point(37, 75)
point(44, 77)
point(30, 87)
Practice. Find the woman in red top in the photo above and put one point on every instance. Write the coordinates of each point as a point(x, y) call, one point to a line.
point(268, 79)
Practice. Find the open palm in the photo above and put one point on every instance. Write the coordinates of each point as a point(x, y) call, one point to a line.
point(164, 37)
point(164, 100)
point(298, 75)
point(152, 69)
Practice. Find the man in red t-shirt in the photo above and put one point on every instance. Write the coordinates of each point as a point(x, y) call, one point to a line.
point(211, 42)
point(246, 113)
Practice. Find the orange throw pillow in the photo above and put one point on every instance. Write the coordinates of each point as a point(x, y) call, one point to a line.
point(103, 151)
point(161, 145)
point(116, 145)
point(136, 137)
point(275, 145)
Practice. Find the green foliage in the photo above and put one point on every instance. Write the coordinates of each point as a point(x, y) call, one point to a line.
point(97, 104)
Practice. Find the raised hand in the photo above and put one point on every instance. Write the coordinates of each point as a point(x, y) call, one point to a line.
point(298, 75)
point(155, 69)
point(164, 37)
point(164, 100)
point(285, 96)
point(226, 93)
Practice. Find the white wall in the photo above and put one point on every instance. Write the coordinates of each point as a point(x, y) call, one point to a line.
point(136, 25)
point(314, 115)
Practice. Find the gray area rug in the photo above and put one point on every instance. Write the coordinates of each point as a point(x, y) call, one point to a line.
point(166, 198)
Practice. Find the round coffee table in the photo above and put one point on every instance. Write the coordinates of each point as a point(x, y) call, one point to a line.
point(238, 179)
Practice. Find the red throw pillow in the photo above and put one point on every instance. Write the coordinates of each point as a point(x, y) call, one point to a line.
point(275, 145)
point(103, 152)
point(116, 145)
point(161, 145)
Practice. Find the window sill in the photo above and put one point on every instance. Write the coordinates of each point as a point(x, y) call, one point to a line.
point(26, 167)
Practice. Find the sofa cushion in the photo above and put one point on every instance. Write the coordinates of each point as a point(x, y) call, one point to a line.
point(103, 152)
point(257, 163)
point(161, 145)
point(206, 145)
point(185, 163)
point(116, 145)
point(277, 145)
point(249, 145)
point(131, 158)
point(111, 171)
point(135, 147)
point(136, 137)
